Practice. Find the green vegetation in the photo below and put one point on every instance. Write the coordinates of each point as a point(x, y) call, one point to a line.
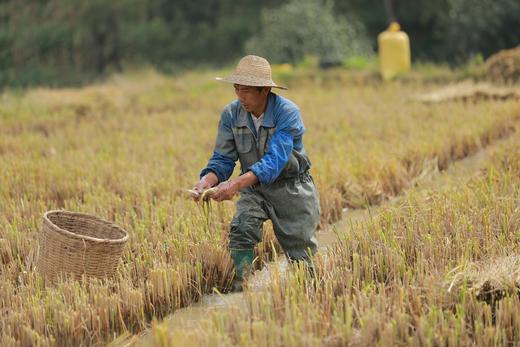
point(308, 27)
point(66, 42)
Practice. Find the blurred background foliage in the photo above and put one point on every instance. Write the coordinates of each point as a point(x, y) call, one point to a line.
point(68, 42)
point(308, 27)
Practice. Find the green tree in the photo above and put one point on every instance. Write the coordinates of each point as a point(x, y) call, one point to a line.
point(444, 30)
point(480, 26)
point(303, 27)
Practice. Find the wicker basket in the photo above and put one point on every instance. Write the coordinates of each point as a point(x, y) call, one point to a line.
point(77, 244)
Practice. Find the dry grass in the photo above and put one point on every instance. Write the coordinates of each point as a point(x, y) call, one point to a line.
point(490, 280)
point(469, 91)
point(126, 151)
point(504, 66)
point(391, 280)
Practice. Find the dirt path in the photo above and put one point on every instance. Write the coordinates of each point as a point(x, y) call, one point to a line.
point(195, 315)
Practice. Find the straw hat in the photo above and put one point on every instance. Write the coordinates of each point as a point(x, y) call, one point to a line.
point(253, 71)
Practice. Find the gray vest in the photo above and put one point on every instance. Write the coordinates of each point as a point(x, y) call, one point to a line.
point(251, 148)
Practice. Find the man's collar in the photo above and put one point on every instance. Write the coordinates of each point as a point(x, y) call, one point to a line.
point(268, 121)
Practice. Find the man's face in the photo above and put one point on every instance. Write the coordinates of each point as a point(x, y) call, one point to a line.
point(251, 98)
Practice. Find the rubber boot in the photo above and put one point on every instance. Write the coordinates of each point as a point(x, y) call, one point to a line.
point(243, 260)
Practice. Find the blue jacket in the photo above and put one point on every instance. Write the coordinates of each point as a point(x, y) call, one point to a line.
point(276, 152)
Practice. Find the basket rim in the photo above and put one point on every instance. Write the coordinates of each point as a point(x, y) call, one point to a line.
point(84, 237)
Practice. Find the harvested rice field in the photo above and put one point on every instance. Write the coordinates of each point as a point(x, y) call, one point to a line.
point(415, 267)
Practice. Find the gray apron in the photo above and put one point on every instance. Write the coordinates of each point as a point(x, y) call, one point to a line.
point(290, 202)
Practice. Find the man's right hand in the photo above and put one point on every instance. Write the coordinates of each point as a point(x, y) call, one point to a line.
point(208, 181)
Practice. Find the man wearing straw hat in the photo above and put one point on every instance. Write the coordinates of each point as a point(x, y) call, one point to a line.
point(264, 132)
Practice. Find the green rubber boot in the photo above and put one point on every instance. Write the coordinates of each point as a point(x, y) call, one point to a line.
point(243, 260)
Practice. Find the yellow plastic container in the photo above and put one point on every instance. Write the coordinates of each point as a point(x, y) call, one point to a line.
point(394, 51)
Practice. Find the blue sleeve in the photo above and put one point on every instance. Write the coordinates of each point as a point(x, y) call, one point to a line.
point(279, 147)
point(222, 162)
point(220, 165)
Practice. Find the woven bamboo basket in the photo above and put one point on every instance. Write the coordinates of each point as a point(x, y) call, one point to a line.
point(76, 244)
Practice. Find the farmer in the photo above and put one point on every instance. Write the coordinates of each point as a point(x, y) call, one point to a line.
point(264, 131)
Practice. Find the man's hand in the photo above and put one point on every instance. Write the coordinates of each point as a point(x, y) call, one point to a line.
point(226, 190)
point(206, 182)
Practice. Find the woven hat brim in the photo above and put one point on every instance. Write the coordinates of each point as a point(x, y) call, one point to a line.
point(249, 81)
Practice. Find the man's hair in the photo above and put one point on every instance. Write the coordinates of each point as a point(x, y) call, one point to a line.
point(258, 89)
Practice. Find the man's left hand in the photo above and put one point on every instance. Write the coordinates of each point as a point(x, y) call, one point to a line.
point(226, 190)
